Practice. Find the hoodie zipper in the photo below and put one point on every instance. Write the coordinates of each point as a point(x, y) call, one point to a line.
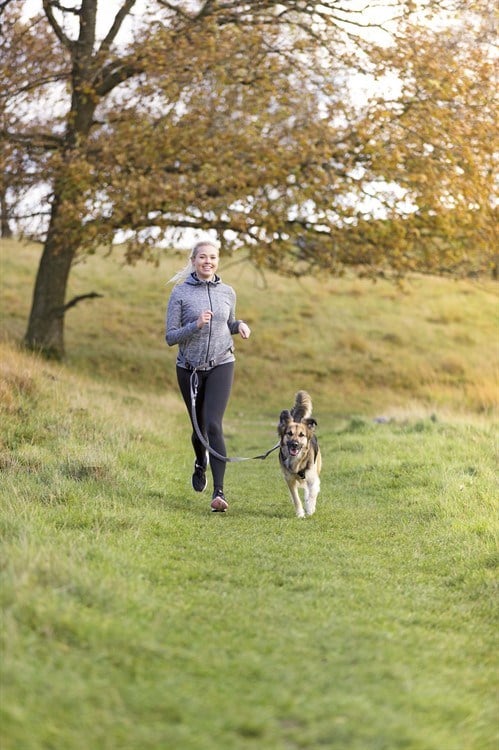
point(210, 323)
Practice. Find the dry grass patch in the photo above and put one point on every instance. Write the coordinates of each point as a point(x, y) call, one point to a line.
point(483, 397)
point(353, 342)
point(453, 365)
point(18, 375)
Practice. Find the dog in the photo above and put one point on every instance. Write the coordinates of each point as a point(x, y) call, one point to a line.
point(299, 453)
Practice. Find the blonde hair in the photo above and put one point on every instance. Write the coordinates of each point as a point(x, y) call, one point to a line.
point(185, 272)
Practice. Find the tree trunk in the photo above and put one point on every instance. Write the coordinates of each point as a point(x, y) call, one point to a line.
point(45, 331)
point(5, 230)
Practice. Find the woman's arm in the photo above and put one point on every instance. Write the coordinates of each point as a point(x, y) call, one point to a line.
point(176, 333)
point(237, 326)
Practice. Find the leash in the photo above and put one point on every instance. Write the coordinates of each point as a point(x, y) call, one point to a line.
point(194, 384)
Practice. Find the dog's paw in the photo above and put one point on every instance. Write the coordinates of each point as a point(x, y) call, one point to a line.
point(310, 506)
point(300, 514)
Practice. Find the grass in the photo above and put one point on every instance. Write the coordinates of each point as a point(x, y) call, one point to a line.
point(133, 618)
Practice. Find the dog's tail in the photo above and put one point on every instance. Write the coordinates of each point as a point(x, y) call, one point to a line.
point(303, 406)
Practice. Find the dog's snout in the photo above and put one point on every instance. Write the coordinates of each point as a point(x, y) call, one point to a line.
point(294, 447)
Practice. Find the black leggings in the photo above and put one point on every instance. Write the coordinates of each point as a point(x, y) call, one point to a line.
point(214, 387)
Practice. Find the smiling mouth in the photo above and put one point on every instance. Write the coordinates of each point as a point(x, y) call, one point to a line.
point(293, 450)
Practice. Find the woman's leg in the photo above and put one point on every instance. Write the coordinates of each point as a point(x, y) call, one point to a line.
point(184, 382)
point(218, 385)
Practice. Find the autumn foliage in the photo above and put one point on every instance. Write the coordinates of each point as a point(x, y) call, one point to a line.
point(243, 119)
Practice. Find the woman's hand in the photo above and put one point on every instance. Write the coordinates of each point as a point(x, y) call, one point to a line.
point(244, 330)
point(204, 318)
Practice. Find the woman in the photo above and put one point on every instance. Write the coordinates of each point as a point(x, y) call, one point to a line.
point(201, 320)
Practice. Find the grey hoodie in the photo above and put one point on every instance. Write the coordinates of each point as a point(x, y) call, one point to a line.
point(212, 344)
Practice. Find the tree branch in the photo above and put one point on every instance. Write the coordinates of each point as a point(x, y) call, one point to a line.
point(117, 23)
point(64, 40)
point(114, 74)
point(3, 5)
point(33, 85)
point(59, 311)
point(37, 140)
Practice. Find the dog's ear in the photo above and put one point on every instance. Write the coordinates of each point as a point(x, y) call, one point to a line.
point(284, 420)
point(311, 423)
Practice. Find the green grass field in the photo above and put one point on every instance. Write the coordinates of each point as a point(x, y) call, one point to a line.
point(133, 619)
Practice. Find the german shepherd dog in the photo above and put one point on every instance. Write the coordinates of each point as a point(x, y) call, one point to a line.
point(299, 454)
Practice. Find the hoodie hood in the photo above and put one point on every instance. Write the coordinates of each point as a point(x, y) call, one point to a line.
point(193, 279)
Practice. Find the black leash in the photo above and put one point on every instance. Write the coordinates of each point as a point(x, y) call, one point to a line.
point(194, 383)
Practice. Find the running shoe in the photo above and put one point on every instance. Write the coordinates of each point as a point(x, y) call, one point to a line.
point(219, 504)
point(199, 480)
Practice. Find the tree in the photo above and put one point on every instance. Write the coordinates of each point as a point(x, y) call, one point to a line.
point(223, 115)
point(437, 140)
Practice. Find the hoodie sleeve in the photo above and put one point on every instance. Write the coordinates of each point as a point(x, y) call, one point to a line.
point(176, 333)
point(232, 322)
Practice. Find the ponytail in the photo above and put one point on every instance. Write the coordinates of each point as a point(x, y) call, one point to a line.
point(181, 275)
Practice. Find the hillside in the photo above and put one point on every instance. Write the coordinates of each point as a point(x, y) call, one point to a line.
point(431, 345)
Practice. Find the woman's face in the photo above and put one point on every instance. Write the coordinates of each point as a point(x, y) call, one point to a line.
point(206, 262)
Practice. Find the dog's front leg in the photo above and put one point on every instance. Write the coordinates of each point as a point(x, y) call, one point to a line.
point(295, 497)
point(311, 491)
